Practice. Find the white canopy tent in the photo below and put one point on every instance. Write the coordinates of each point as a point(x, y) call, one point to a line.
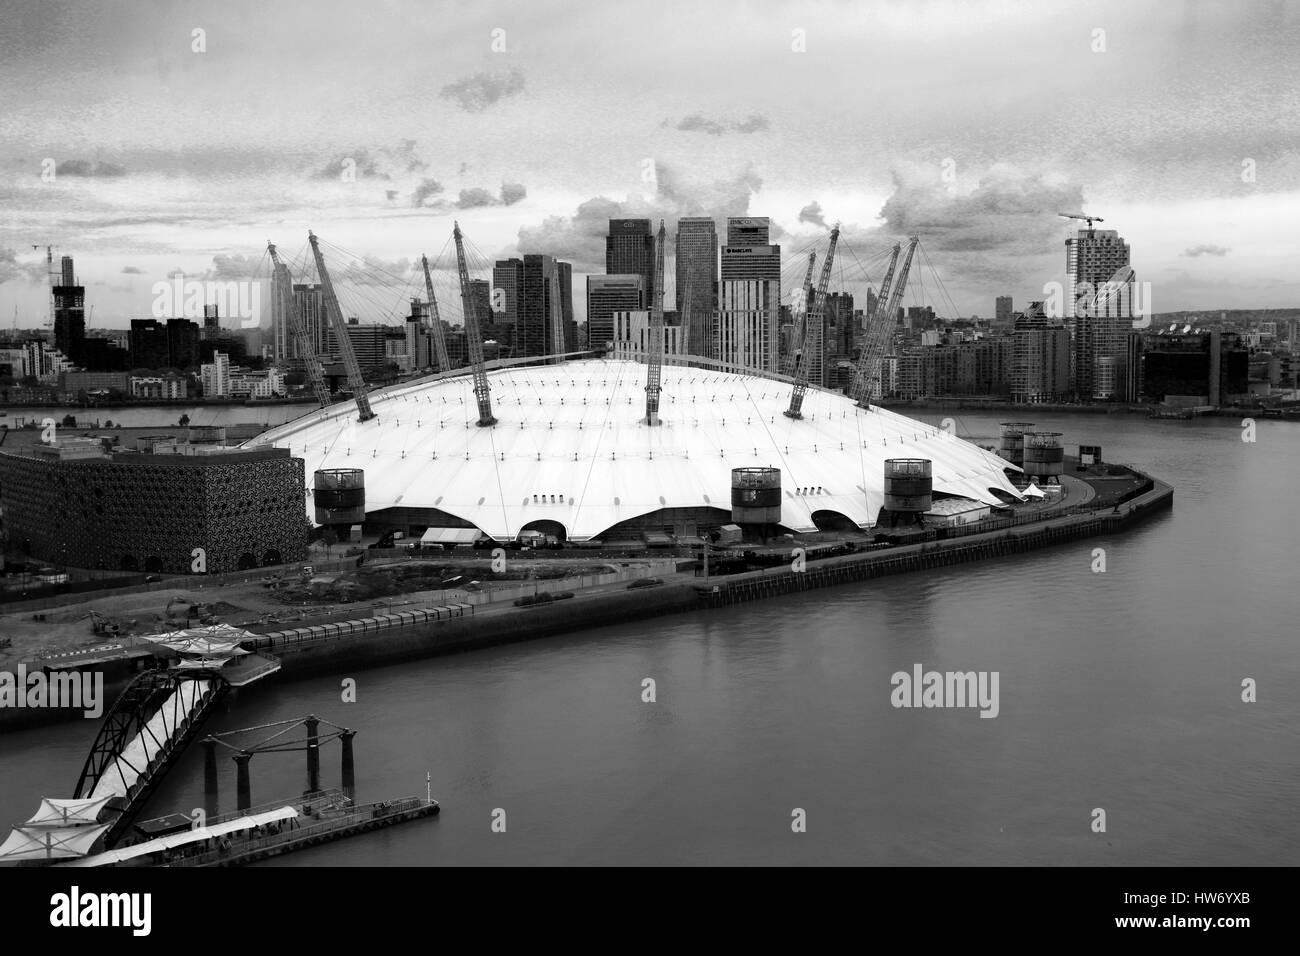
point(1033, 491)
point(50, 843)
point(186, 837)
point(56, 812)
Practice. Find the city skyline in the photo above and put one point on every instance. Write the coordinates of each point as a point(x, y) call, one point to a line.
point(982, 186)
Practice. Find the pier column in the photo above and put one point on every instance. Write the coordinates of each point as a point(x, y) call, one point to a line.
point(210, 788)
point(349, 768)
point(313, 754)
point(243, 788)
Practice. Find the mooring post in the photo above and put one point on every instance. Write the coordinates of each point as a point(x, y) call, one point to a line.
point(243, 788)
point(210, 795)
point(313, 754)
point(349, 768)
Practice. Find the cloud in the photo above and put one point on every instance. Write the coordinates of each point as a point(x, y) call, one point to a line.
point(131, 271)
point(476, 93)
point(1002, 233)
point(695, 123)
point(512, 193)
point(754, 124)
point(391, 194)
point(82, 167)
point(475, 198)
point(1206, 250)
point(361, 162)
point(225, 267)
point(11, 269)
point(580, 237)
point(699, 123)
point(427, 188)
point(813, 213)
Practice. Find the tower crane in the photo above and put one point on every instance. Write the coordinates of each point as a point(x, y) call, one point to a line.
point(656, 333)
point(435, 320)
point(801, 318)
point(812, 341)
point(1079, 215)
point(355, 380)
point(282, 301)
point(880, 327)
point(473, 337)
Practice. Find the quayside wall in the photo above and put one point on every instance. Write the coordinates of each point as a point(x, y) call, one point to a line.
point(494, 624)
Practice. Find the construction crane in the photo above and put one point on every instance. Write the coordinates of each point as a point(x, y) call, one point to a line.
point(473, 337)
point(435, 320)
point(812, 343)
point(557, 315)
point(880, 328)
point(800, 318)
point(1079, 215)
point(656, 333)
point(355, 381)
point(282, 301)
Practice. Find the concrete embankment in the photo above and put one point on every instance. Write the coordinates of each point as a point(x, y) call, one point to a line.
point(493, 624)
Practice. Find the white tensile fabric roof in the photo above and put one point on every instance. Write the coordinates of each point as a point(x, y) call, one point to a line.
point(185, 837)
point(50, 843)
point(54, 811)
point(574, 433)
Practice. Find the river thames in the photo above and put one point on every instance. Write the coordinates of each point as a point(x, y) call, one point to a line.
point(1119, 690)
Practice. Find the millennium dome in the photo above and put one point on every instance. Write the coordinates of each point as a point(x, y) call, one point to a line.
point(571, 451)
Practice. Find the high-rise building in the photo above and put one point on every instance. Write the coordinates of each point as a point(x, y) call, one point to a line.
point(215, 376)
point(211, 320)
point(1040, 358)
point(149, 344)
point(630, 249)
point(69, 314)
point(533, 334)
point(1092, 258)
point(507, 288)
point(480, 293)
point(745, 327)
point(697, 266)
point(1002, 308)
point(607, 295)
point(309, 300)
point(182, 343)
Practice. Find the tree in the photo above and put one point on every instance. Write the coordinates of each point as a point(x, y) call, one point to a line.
point(184, 422)
point(69, 421)
point(329, 537)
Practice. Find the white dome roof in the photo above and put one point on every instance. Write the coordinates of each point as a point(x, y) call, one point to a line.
point(576, 432)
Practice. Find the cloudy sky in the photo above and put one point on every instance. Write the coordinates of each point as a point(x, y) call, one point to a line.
point(376, 124)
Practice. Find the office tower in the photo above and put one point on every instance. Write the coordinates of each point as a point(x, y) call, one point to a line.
point(507, 287)
point(697, 265)
point(745, 329)
point(1092, 258)
point(211, 320)
point(69, 314)
point(480, 292)
point(1003, 309)
point(533, 333)
point(607, 295)
point(630, 249)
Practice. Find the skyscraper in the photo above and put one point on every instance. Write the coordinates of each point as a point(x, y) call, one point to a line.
point(309, 300)
point(1092, 258)
point(749, 305)
point(507, 287)
point(697, 265)
point(630, 249)
point(605, 296)
point(533, 332)
point(69, 314)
